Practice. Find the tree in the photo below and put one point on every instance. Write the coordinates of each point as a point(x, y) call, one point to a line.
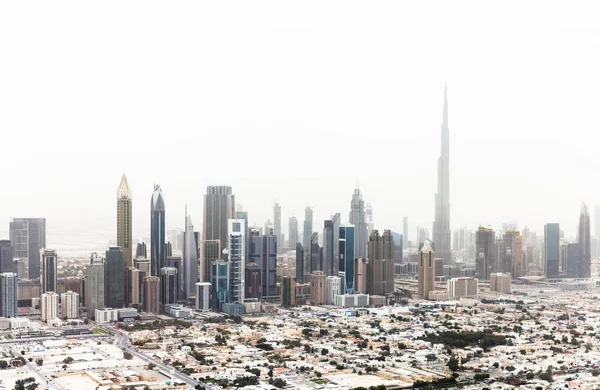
point(431, 357)
point(324, 351)
point(127, 355)
point(68, 360)
point(39, 361)
point(278, 382)
point(453, 363)
point(3, 364)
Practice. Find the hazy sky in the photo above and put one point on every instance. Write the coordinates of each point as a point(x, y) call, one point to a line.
point(294, 100)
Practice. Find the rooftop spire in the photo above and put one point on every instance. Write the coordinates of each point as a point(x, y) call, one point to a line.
point(123, 191)
point(445, 104)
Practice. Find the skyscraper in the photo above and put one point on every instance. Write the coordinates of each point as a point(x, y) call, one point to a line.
point(177, 263)
point(317, 288)
point(158, 254)
point(252, 281)
point(114, 278)
point(426, 269)
point(49, 304)
point(306, 239)
point(134, 280)
point(94, 287)
point(69, 305)
point(210, 250)
point(288, 291)
point(277, 223)
point(237, 260)
point(486, 253)
point(299, 263)
point(124, 220)
point(190, 257)
point(331, 237)
point(6, 257)
point(49, 275)
point(441, 225)
point(405, 232)
point(380, 271)
point(244, 215)
point(202, 296)
point(358, 218)
point(168, 286)
point(293, 238)
point(28, 236)
point(140, 250)
point(264, 253)
point(551, 249)
point(316, 255)
point(347, 245)
point(219, 284)
point(8, 295)
point(219, 207)
point(583, 238)
point(152, 294)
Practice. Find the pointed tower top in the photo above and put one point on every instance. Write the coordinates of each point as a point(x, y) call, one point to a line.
point(124, 191)
point(158, 203)
point(584, 209)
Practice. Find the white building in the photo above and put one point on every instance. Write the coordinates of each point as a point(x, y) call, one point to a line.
point(333, 285)
point(462, 287)
point(500, 282)
point(202, 296)
point(237, 259)
point(14, 323)
point(69, 305)
point(352, 300)
point(49, 306)
point(106, 315)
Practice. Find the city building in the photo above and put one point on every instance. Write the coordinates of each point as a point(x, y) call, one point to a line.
point(317, 288)
point(512, 255)
point(28, 237)
point(299, 263)
point(361, 265)
point(426, 269)
point(6, 257)
point(49, 304)
point(237, 260)
point(158, 252)
point(106, 315)
point(293, 228)
point(462, 287)
point(202, 296)
point(405, 232)
point(500, 282)
point(9, 295)
point(134, 280)
point(358, 218)
point(114, 278)
point(219, 284)
point(370, 222)
point(190, 258)
point(219, 208)
point(315, 262)
point(143, 265)
point(333, 287)
point(49, 274)
point(252, 281)
point(125, 221)
point(352, 300)
point(583, 238)
point(569, 259)
point(331, 233)
point(151, 294)
point(141, 251)
point(94, 287)
point(69, 305)
point(277, 223)
point(288, 291)
point(264, 253)
point(347, 245)
point(177, 263)
point(380, 272)
point(210, 251)
point(486, 253)
point(306, 240)
point(551, 250)
point(70, 283)
point(169, 286)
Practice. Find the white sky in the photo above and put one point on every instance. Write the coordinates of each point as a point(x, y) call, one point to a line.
point(294, 100)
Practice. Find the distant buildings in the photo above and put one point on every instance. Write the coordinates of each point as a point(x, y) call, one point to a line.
point(94, 287)
point(426, 269)
point(114, 278)
point(317, 288)
point(441, 224)
point(69, 305)
point(358, 218)
point(299, 263)
point(333, 286)
point(462, 287)
point(583, 239)
point(151, 294)
point(486, 253)
point(347, 245)
point(219, 208)
point(500, 282)
point(237, 260)
point(551, 249)
point(277, 223)
point(169, 286)
point(49, 274)
point(288, 291)
point(380, 266)
point(158, 254)
point(190, 258)
point(202, 296)
point(293, 228)
point(307, 240)
point(6, 257)
point(28, 237)
point(210, 251)
point(8, 294)
point(219, 284)
point(124, 221)
point(331, 237)
point(264, 253)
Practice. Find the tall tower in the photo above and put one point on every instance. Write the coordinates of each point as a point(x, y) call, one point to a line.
point(306, 239)
point(380, 271)
point(6, 257)
point(583, 238)
point(293, 237)
point(404, 232)
point(114, 278)
point(358, 218)
point(190, 257)
point(237, 260)
point(347, 254)
point(49, 274)
point(124, 220)
point(277, 223)
point(426, 269)
point(157, 231)
point(441, 225)
point(8, 294)
point(28, 236)
point(331, 249)
point(219, 208)
point(552, 249)
point(94, 285)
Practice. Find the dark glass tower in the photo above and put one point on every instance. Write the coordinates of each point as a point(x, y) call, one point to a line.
point(347, 244)
point(157, 232)
point(28, 236)
point(6, 257)
point(114, 278)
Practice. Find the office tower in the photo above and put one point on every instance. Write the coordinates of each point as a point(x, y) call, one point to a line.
point(288, 291)
point(277, 223)
point(140, 251)
point(28, 236)
point(22, 267)
point(6, 257)
point(238, 214)
point(583, 238)
point(210, 251)
point(177, 263)
point(331, 233)
point(485, 252)
point(370, 223)
point(551, 249)
point(190, 258)
point(510, 254)
point(441, 225)
point(8, 295)
point(426, 269)
point(49, 273)
point(569, 260)
point(358, 218)
point(380, 272)
point(293, 227)
point(70, 283)
point(114, 278)
point(347, 245)
point(169, 285)
point(264, 253)
point(462, 287)
point(500, 282)
point(299, 263)
point(143, 265)
point(316, 255)
point(317, 288)
point(220, 284)
point(152, 294)
point(306, 239)
point(237, 259)
point(360, 279)
point(158, 254)
point(49, 304)
point(28, 289)
point(252, 281)
point(202, 296)
point(219, 208)
point(134, 280)
point(422, 235)
point(69, 305)
point(333, 287)
point(168, 250)
point(124, 221)
point(405, 232)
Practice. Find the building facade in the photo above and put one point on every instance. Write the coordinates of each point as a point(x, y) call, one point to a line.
point(426, 269)
point(202, 296)
point(551, 250)
point(358, 218)
point(347, 245)
point(152, 294)
point(49, 274)
point(583, 239)
point(219, 208)
point(94, 287)
point(49, 304)
point(158, 253)
point(317, 288)
point(28, 237)
point(69, 305)
point(114, 278)
point(9, 295)
point(380, 272)
point(462, 287)
point(237, 260)
point(125, 221)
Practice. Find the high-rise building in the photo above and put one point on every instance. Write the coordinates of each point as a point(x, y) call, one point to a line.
point(69, 305)
point(152, 294)
point(462, 287)
point(202, 296)
point(264, 253)
point(441, 225)
point(583, 238)
point(317, 288)
point(49, 275)
point(28, 237)
point(177, 263)
point(70, 283)
point(210, 251)
point(293, 236)
point(306, 239)
point(277, 223)
point(8, 295)
point(158, 254)
point(331, 237)
point(143, 265)
point(347, 245)
point(140, 251)
point(169, 286)
point(49, 304)
point(237, 260)
point(315, 262)
point(569, 259)
point(370, 223)
point(511, 254)
point(220, 284)
point(486, 253)
point(252, 281)
point(551, 249)
point(219, 208)
point(358, 218)
point(6, 257)
point(190, 258)
point(124, 221)
point(426, 269)
point(114, 278)
point(288, 291)
point(360, 280)
point(299, 263)
point(380, 272)
point(405, 232)
point(244, 215)
point(500, 282)
point(333, 287)
point(94, 287)
point(134, 280)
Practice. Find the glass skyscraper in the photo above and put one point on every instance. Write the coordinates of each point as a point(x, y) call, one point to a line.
point(157, 232)
point(347, 256)
point(28, 236)
point(551, 249)
point(114, 278)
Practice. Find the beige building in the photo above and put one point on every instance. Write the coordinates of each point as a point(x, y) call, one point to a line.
point(49, 302)
point(462, 287)
point(426, 269)
point(124, 221)
point(438, 295)
point(317, 288)
point(380, 267)
point(500, 282)
point(360, 275)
